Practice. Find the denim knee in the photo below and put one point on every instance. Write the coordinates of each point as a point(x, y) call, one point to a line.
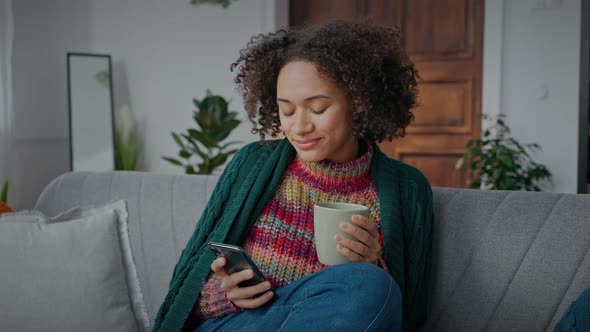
point(366, 281)
point(366, 292)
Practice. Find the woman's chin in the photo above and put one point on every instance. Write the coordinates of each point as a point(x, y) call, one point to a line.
point(310, 156)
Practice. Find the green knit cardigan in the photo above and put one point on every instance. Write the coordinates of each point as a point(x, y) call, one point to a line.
point(249, 182)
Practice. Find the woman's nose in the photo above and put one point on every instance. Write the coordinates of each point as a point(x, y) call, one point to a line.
point(302, 124)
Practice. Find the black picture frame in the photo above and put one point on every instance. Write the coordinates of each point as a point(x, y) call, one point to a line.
point(107, 57)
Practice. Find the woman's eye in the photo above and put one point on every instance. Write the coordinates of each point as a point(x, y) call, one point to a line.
point(288, 113)
point(320, 111)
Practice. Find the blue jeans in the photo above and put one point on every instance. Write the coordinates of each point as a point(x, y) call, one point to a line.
point(348, 297)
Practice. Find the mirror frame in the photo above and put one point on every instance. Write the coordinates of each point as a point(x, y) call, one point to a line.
point(111, 101)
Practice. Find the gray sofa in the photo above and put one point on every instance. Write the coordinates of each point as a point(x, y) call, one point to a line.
point(503, 261)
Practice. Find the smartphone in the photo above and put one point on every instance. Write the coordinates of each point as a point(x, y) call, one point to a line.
point(237, 260)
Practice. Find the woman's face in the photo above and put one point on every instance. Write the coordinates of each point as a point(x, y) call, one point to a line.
point(315, 114)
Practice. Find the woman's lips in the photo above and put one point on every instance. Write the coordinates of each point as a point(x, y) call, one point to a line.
point(307, 144)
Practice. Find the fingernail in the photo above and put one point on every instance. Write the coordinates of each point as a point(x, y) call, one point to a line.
point(250, 273)
point(266, 284)
point(344, 225)
point(338, 238)
point(339, 247)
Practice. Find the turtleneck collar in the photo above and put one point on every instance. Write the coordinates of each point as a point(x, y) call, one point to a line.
point(336, 177)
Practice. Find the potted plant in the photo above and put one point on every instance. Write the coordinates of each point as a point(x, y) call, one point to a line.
point(500, 162)
point(201, 148)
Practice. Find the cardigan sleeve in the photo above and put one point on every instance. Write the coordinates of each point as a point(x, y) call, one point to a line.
point(213, 208)
point(213, 301)
point(418, 236)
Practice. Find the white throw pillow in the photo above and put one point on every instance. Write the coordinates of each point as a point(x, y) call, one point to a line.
point(71, 272)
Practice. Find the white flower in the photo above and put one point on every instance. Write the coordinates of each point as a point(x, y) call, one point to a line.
point(124, 124)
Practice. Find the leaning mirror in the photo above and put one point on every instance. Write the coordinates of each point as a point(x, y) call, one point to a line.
point(90, 112)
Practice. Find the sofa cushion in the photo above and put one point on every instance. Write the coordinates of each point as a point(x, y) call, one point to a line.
point(163, 211)
point(71, 272)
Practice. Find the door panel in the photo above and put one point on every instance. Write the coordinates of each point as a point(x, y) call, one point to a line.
point(444, 107)
point(438, 28)
point(439, 166)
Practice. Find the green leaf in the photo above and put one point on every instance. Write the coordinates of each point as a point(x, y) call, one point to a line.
point(226, 129)
point(507, 161)
point(218, 160)
point(212, 112)
point(189, 170)
point(178, 140)
point(197, 103)
point(204, 168)
point(195, 147)
point(208, 142)
point(173, 161)
point(224, 146)
point(216, 105)
point(206, 120)
point(534, 146)
point(459, 163)
point(184, 154)
point(4, 194)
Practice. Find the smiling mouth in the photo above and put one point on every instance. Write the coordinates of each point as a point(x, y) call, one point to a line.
point(307, 144)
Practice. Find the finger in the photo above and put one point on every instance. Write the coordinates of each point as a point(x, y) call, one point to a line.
point(234, 279)
point(218, 266)
point(361, 235)
point(358, 247)
point(254, 303)
point(243, 293)
point(351, 255)
point(366, 224)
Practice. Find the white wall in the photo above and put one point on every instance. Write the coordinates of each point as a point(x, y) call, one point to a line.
point(6, 141)
point(531, 73)
point(172, 52)
point(43, 32)
point(167, 52)
point(164, 54)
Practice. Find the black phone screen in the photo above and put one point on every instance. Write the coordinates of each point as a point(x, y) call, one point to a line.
point(237, 260)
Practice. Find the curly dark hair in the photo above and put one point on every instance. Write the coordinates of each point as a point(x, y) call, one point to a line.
point(364, 59)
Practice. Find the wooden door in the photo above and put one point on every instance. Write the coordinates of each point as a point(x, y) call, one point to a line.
point(444, 38)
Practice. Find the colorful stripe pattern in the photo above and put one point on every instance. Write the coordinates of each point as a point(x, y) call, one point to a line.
point(281, 241)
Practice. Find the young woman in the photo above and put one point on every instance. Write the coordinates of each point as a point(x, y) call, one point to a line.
point(331, 91)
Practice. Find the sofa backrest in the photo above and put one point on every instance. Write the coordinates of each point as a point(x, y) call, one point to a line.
point(163, 211)
point(507, 261)
point(501, 260)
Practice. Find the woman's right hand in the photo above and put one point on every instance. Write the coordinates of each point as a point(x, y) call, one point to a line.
point(243, 297)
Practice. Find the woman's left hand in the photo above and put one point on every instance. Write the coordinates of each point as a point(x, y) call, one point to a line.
point(367, 248)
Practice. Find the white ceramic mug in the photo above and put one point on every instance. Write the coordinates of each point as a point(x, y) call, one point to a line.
point(327, 217)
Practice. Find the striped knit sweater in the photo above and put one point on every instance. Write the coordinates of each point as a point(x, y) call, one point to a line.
point(281, 242)
point(249, 183)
